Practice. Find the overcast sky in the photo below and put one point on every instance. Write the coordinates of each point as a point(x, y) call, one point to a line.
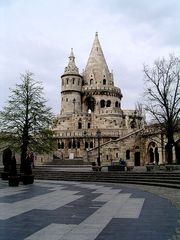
point(37, 35)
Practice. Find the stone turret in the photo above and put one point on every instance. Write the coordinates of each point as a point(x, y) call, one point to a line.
point(71, 86)
point(100, 94)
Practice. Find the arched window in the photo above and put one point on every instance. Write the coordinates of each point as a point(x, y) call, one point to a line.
point(108, 104)
point(62, 145)
point(102, 103)
point(90, 102)
point(91, 144)
point(79, 124)
point(59, 146)
point(104, 81)
point(67, 80)
point(116, 104)
point(69, 145)
point(127, 154)
point(86, 145)
point(74, 143)
point(73, 80)
point(91, 81)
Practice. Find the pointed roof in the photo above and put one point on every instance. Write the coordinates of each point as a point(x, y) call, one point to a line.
point(96, 63)
point(71, 68)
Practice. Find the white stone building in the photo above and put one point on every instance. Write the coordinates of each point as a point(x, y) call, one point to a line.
point(92, 123)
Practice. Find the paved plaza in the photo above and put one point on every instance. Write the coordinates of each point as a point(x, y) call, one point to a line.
point(56, 210)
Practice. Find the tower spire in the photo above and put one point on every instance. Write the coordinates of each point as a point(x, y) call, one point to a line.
point(96, 62)
point(71, 68)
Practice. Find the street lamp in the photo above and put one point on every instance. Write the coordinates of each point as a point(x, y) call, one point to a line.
point(98, 134)
point(85, 134)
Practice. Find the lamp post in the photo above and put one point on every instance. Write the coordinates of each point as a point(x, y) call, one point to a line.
point(86, 149)
point(98, 134)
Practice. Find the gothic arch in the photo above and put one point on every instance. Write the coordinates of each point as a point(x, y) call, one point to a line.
point(153, 153)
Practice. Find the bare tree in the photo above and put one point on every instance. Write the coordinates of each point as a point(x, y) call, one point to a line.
point(162, 97)
point(25, 121)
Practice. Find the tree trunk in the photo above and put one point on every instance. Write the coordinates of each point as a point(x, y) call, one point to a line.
point(169, 152)
point(25, 163)
point(170, 144)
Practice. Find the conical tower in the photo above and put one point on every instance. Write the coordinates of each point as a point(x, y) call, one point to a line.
point(99, 93)
point(71, 86)
point(96, 72)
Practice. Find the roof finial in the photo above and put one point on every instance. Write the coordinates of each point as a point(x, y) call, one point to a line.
point(71, 54)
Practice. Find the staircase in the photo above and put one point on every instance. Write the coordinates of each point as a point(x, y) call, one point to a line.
point(164, 179)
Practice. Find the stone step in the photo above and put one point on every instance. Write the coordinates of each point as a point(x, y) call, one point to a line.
point(168, 180)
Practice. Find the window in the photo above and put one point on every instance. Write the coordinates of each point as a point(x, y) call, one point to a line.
point(62, 145)
point(108, 104)
point(86, 144)
point(90, 102)
point(127, 154)
point(79, 125)
point(102, 103)
point(73, 80)
point(69, 145)
point(91, 144)
point(59, 146)
point(62, 82)
point(89, 125)
point(104, 81)
point(67, 80)
point(116, 104)
point(91, 81)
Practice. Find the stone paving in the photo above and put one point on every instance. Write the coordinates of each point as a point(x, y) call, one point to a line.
point(58, 210)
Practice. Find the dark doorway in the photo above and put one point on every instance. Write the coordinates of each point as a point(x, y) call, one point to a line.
point(151, 155)
point(137, 161)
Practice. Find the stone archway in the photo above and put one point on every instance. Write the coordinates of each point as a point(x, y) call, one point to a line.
point(153, 153)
